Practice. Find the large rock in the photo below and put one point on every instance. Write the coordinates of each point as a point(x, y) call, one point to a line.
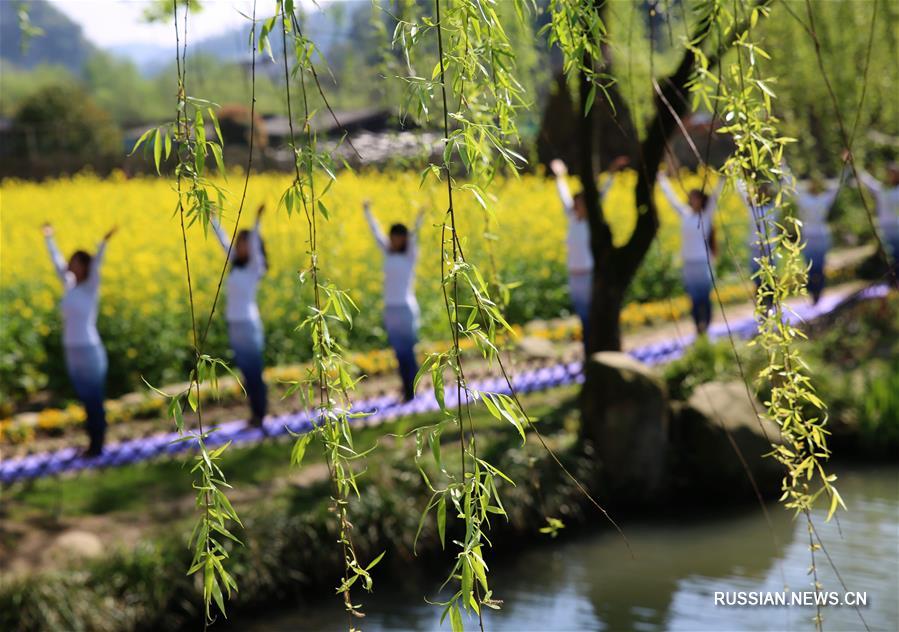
point(534, 347)
point(625, 418)
point(74, 544)
point(717, 436)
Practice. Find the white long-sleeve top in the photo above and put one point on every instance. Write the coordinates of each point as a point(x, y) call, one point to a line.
point(580, 255)
point(243, 281)
point(813, 209)
point(79, 300)
point(399, 267)
point(761, 216)
point(887, 199)
point(695, 228)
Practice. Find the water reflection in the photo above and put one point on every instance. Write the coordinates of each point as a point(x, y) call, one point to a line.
point(592, 583)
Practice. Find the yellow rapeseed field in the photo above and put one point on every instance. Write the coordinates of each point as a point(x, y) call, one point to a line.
point(144, 318)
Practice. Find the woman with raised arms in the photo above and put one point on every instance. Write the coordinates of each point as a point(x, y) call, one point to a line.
point(245, 331)
point(697, 246)
point(814, 199)
point(85, 355)
point(580, 254)
point(401, 312)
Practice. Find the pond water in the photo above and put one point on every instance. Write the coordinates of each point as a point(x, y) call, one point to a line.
point(591, 582)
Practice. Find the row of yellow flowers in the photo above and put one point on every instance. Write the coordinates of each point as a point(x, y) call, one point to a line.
point(144, 319)
point(24, 427)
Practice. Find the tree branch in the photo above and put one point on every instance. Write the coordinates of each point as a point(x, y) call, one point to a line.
point(652, 149)
point(600, 234)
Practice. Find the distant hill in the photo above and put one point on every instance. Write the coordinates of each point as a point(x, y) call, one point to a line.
point(62, 44)
point(148, 58)
point(327, 28)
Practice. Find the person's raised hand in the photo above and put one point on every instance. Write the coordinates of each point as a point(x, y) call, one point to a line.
point(112, 231)
point(366, 204)
point(558, 168)
point(260, 210)
point(47, 229)
point(846, 155)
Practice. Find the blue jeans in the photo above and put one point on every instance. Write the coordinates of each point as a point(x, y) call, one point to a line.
point(698, 284)
point(816, 248)
point(580, 286)
point(401, 323)
point(247, 343)
point(755, 256)
point(892, 243)
point(762, 232)
point(87, 367)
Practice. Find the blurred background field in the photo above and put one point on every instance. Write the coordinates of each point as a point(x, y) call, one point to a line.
point(75, 106)
point(81, 81)
point(144, 315)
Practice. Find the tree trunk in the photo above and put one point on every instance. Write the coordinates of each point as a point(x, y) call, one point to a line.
point(605, 323)
point(615, 266)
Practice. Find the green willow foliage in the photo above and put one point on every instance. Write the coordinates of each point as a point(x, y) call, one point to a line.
point(474, 85)
point(459, 64)
point(328, 384)
point(746, 101)
point(744, 98)
point(474, 69)
point(579, 31)
point(198, 199)
point(26, 28)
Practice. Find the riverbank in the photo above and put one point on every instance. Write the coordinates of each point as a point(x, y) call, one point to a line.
point(588, 580)
point(289, 534)
point(289, 556)
point(129, 577)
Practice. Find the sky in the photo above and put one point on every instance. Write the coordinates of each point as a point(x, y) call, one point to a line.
point(110, 23)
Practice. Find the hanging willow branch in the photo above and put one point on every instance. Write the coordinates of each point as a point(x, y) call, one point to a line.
point(746, 101)
point(328, 383)
point(475, 67)
point(198, 199)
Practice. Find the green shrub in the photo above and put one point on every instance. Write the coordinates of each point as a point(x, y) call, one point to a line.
point(62, 122)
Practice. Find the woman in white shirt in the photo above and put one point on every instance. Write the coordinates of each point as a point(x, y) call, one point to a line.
point(580, 254)
point(887, 197)
point(401, 313)
point(814, 199)
point(85, 355)
point(245, 331)
point(697, 246)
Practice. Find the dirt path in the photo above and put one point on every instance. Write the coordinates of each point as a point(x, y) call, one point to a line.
point(49, 540)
